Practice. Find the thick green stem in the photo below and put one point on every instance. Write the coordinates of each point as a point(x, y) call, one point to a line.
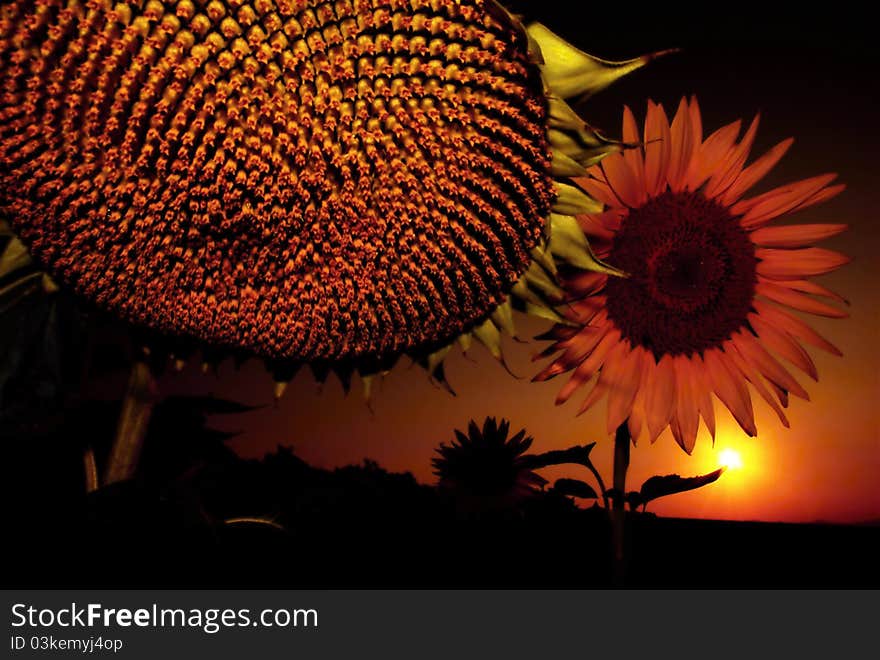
point(132, 427)
point(622, 441)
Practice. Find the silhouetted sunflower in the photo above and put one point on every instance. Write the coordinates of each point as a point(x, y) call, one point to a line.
point(313, 182)
point(485, 470)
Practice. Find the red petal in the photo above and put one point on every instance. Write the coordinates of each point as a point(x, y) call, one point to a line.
point(716, 147)
point(766, 364)
point(795, 236)
point(779, 201)
point(657, 149)
point(595, 395)
point(696, 123)
point(806, 286)
point(703, 392)
point(659, 396)
point(779, 341)
point(598, 190)
point(634, 157)
point(794, 326)
point(621, 180)
point(785, 296)
point(731, 167)
point(752, 375)
point(795, 264)
point(590, 366)
point(686, 405)
point(755, 172)
point(730, 389)
point(623, 382)
point(592, 226)
point(683, 146)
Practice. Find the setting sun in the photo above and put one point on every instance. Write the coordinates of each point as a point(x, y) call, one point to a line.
point(730, 459)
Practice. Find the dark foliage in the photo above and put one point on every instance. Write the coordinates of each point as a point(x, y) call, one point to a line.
point(200, 516)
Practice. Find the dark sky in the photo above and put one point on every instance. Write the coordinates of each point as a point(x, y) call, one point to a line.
point(812, 76)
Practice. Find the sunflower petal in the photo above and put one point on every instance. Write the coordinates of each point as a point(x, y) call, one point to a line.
point(808, 286)
point(696, 123)
point(659, 396)
point(600, 388)
point(585, 283)
point(703, 394)
point(577, 349)
point(634, 157)
point(779, 341)
point(683, 145)
point(731, 167)
point(786, 296)
point(779, 201)
point(795, 264)
point(686, 412)
point(636, 419)
point(751, 374)
point(795, 236)
point(623, 377)
point(710, 153)
point(592, 225)
point(621, 180)
point(588, 368)
point(730, 389)
point(657, 148)
point(755, 172)
point(781, 394)
point(794, 326)
point(599, 190)
point(766, 364)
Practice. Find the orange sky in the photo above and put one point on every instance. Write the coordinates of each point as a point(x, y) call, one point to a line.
point(825, 467)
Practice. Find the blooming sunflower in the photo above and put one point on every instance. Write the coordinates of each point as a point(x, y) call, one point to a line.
point(710, 281)
point(313, 182)
point(485, 469)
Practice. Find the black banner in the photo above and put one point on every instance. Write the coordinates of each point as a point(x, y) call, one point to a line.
point(416, 624)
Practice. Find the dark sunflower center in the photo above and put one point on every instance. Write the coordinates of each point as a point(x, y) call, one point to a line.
point(692, 275)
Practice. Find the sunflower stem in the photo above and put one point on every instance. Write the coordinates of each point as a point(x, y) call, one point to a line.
point(91, 470)
point(622, 441)
point(602, 489)
point(132, 426)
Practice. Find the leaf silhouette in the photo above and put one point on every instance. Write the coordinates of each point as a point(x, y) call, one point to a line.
point(660, 486)
point(575, 488)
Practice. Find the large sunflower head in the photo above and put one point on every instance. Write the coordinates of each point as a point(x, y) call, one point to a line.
point(710, 282)
point(486, 470)
point(308, 181)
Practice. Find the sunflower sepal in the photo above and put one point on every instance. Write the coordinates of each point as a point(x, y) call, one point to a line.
point(571, 200)
point(568, 243)
point(571, 73)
